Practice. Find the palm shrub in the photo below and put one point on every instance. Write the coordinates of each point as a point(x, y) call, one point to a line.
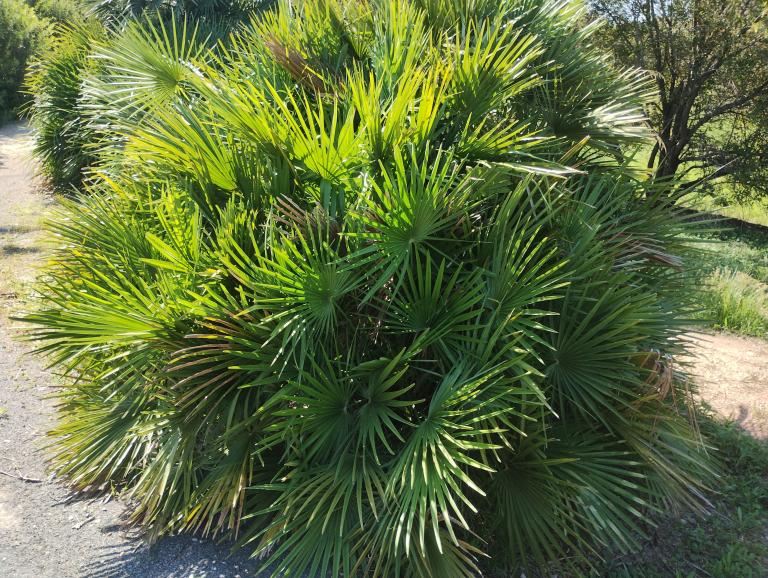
point(97, 79)
point(88, 75)
point(55, 81)
point(217, 16)
point(374, 291)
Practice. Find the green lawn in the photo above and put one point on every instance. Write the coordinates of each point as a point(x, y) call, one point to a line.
point(751, 212)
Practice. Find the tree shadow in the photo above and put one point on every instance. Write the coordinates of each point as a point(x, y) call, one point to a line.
point(17, 229)
point(171, 557)
point(12, 131)
point(742, 420)
point(17, 250)
point(743, 414)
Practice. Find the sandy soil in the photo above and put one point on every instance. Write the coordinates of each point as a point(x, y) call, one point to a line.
point(731, 373)
point(44, 533)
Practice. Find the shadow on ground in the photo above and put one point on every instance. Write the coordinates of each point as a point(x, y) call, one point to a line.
point(171, 557)
point(17, 229)
point(17, 250)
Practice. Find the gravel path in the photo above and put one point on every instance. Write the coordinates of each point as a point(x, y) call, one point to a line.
point(43, 532)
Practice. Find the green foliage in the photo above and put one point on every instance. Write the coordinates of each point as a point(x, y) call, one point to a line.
point(733, 269)
point(729, 543)
point(23, 35)
point(372, 289)
point(212, 13)
point(96, 81)
point(56, 81)
point(709, 60)
point(59, 11)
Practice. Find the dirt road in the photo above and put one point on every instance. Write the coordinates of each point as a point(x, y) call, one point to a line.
point(731, 373)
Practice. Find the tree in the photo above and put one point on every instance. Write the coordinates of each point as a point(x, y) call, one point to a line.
point(709, 59)
point(372, 290)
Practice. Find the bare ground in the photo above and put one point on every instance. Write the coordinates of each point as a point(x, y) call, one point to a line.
point(731, 373)
point(45, 533)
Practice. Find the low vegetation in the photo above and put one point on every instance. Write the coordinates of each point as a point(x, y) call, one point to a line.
point(372, 290)
point(730, 542)
point(733, 265)
point(736, 302)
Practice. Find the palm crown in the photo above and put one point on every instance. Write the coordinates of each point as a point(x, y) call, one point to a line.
point(372, 288)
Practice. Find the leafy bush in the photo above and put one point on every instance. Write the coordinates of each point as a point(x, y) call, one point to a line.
point(60, 11)
point(23, 34)
point(56, 81)
point(374, 291)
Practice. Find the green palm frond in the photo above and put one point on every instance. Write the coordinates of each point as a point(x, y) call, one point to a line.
point(372, 289)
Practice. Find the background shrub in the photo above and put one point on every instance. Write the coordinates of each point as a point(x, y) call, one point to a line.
point(59, 11)
point(23, 34)
point(217, 16)
point(62, 132)
point(373, 289)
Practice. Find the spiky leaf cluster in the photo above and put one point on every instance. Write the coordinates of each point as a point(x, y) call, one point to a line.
point(375, 291)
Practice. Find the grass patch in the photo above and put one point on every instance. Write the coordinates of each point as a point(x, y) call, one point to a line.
point(729, 542)
point(734, 280)
point(755, 212)
point(736, 302)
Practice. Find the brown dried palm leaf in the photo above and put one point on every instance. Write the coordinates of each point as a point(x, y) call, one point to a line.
point(296, 65)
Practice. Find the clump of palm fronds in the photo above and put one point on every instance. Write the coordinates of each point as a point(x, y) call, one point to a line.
point(373, 291)
point(102, 70)
point(55, 81)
